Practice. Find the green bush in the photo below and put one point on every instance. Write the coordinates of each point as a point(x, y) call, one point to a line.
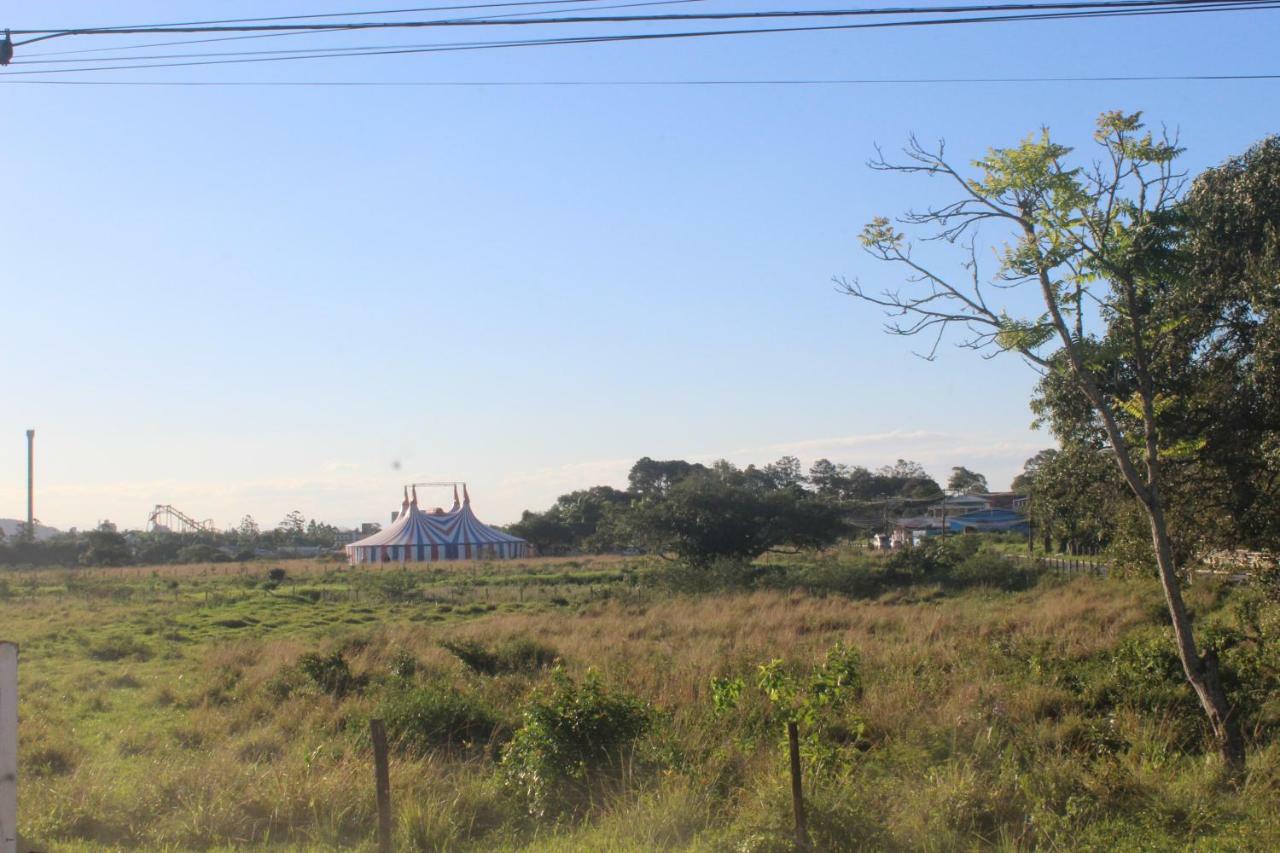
point(404, 665)
point(331, 673)
point(200, 553)
point(116, 647)
point(395, 586)
point(515, 655)
point(991, 569)
point(420, 719)
point(577, 742)
point(935, 557)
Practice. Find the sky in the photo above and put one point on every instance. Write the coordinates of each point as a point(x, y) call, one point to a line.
point(252, 300)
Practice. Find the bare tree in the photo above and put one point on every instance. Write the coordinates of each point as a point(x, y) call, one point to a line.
point(1091, 242)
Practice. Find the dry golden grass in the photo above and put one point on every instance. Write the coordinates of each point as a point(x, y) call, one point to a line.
point(308, 567)
point(156, 721)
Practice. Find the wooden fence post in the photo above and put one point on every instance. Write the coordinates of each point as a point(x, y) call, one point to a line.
point(382, 782)
point(8, 747)
point(797, 792)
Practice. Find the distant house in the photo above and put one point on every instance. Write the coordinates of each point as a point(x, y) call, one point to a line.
point(993, 512)
point(959, 505)
point(1007, 500)
point(989, 521)
point(910, 531)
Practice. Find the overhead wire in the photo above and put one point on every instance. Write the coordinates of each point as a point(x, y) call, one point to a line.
point(310, 32)
point(1128, 9)
point(364, 13)
point(870, 81)
point(1101, 5)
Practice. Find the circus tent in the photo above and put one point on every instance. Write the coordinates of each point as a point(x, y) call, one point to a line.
point(422, 537)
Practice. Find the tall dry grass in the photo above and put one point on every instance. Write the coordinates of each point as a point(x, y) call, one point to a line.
point(976, 731)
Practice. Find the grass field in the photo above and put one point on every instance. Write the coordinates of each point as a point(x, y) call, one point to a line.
point(188, 708)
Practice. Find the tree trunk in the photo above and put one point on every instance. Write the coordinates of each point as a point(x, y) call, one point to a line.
point(1201, 670)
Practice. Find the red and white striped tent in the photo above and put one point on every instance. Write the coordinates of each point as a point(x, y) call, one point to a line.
point(426, 537)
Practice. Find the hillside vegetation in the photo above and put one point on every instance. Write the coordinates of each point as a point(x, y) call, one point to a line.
point(619, 704)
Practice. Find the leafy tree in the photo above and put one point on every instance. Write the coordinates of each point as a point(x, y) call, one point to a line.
point(786, 473)
point(1075, 495)
point(1093, 243)
point(106, 546)
point(905, 479)
point(293, 525)
point(547, 531)
point(725, 513)
point(652, 478)
point(1225, 320)
point(966, 481)
point(248, 529)
point(1023, 482)
point(581, 519)
point(828, 478)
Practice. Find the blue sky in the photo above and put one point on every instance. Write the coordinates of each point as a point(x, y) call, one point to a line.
point(254, 300)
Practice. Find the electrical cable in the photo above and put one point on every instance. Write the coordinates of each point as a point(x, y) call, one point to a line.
point(310, 32)
point(357, 14)
point(870, 81)
point(1100, 5)
point(1128, 11)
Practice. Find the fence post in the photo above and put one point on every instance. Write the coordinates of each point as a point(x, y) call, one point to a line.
point(8, 747)
point(382, 782)
point(797, 792)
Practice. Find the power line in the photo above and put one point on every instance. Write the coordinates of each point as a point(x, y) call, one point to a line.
point(1130, 9)
point(604, 19)
point(310, 32)
point(356, 14)
point(870, 81)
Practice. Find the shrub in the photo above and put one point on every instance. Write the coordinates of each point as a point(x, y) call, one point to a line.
point(990, 569)
point(404, 665)
point(725, 573)
point(331, 673)
point(933, 558)
point(420, 719)
point(516, 655)
point(575, 743)
point(395, 586)
point(277, 574)
point(201, 553)
point(1144, 673)
point(118, 647)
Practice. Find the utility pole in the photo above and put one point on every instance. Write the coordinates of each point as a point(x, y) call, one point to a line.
point(31, 485)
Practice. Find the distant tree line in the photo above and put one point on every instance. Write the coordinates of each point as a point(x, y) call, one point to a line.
point(700, 513)
point(106, 545)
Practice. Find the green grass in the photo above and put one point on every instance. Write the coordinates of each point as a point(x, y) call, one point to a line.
point(170, 712)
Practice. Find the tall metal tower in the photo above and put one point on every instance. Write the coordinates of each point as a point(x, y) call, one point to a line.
point(31, 484)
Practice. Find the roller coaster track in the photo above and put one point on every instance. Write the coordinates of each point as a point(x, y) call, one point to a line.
point(166, 517)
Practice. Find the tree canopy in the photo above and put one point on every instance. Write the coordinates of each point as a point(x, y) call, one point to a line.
point(1152, 306)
